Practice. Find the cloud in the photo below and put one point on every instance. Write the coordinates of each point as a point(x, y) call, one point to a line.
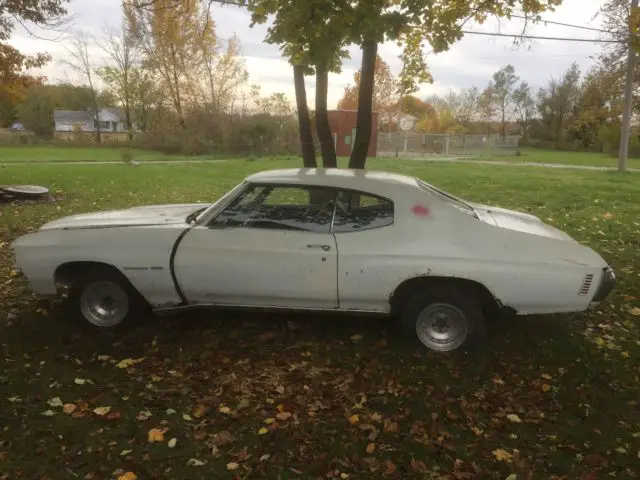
point(471, 61)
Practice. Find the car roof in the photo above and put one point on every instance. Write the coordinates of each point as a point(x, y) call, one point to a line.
point(355, 179)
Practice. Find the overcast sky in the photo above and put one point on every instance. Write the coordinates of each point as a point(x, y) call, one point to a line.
point(470, 62)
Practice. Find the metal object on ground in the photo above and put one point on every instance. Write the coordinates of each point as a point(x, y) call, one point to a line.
point(30, 191)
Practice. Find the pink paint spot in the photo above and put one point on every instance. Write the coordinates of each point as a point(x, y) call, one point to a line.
point(420, 211)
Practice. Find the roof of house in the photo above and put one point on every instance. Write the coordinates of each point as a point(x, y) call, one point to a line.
point(84, 115)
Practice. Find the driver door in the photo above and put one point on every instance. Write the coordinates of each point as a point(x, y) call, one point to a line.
point(272, 246)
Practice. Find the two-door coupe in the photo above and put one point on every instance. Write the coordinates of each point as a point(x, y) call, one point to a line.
point(322, 240)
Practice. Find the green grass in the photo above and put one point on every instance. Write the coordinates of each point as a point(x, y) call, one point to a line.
point(424, 412)
point(536, 155)
point(57, 153)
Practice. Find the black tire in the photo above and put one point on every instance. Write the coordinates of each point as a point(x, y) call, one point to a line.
point(96, 281)
point(462, 312)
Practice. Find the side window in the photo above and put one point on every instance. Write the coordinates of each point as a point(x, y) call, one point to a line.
point(359, 211)
point(280, 207)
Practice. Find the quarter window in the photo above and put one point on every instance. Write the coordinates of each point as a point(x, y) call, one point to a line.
point(280, 207)
point(358, 211)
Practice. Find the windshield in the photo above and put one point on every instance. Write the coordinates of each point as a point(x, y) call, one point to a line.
point(450, 199)
point(221, 201)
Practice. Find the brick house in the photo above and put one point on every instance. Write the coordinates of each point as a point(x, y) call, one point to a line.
point(343, 128)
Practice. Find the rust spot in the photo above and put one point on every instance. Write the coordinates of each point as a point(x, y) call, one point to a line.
point(420, 210)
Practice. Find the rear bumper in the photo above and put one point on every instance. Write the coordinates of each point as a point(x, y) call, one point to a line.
point(607, 284)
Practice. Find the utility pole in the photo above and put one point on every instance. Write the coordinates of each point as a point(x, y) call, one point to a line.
point(628, 94)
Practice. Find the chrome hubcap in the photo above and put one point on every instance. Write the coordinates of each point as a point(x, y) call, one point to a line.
point(442, 327)
point(104, 304)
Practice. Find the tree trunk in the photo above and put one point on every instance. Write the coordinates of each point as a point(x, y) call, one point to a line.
point(306, 137)
point(365, 105)
point(327, 147)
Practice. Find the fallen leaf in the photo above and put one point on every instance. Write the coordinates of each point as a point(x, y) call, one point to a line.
point(69, 408)
point(101, 411)
point(513, 476)
point(621, 450)
point(353, 419)
point(54, 402)
point(113, 416)
point(269, 421)
point(14, 399)
point(194, 462)
point(199, 411)
point(128, 476)
point(143, 415)
point(389, 467)
point(635, 311)
point(81, 381)
point(546, 376)
point(512, 417)
point(625, 354)
point(502, 455)
point(170, 411)
point(128, 362)
point(186, 417)
point(265, 457)
point(232, 466)
point(124, 453)
point(371, 448)
point(283, 416)
point(546, 387)
point(48, 413)
point(172, 443)
point(263, 431)
point(280, 389)
point(155, 435)
point(224, 409)
point(356, 338)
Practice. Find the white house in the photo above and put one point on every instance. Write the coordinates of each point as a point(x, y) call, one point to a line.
point(111, 120)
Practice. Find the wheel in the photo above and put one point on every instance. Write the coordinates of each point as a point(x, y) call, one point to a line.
point(443, 319)
point(104, 299)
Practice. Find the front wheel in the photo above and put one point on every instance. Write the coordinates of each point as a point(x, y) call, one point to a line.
point(443, 319)
point(104, 299)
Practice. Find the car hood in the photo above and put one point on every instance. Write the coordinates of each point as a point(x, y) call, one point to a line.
point(519, 221)
point(130, 217)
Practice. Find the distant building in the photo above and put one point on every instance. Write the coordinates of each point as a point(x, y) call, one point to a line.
point(343, 128)
point(110, 120)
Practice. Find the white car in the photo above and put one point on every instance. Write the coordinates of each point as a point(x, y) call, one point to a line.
point(321, 240)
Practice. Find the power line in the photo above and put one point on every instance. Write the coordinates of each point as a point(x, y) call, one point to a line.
point(535, 37)
point(570, 25)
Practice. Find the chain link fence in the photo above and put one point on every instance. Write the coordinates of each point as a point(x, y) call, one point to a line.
point(419, 145)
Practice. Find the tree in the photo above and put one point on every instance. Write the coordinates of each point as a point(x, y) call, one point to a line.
point(46, 14)
point(467, 108)
point(487, 107)
point(524, 107)
point(557, 102)
point(171, 36)
point(502, 88)
point(384, 93)
point(122, 53)
point(81, 63)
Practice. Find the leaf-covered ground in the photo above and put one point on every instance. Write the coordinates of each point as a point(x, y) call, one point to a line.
point(221, 395)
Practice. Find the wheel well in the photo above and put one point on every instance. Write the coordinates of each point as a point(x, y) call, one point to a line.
point(401, 294)
point(67, 273)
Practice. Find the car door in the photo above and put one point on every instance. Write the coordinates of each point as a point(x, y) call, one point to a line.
point(363, 228)
point(271, 246)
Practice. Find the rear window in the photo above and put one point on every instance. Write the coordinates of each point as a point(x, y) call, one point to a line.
point(359, 211)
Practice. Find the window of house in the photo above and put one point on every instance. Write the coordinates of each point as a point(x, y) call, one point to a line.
point(359, 211)
point(307, 209)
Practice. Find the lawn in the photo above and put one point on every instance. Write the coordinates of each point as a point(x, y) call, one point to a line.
point(537, 155)
point(298, 396)
point(53, 153)
point(56, 153)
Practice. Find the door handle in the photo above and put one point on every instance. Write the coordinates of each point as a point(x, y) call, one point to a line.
point(326, 248)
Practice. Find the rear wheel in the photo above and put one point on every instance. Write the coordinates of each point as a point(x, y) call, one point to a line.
point(443, 319)
point(104, 299)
